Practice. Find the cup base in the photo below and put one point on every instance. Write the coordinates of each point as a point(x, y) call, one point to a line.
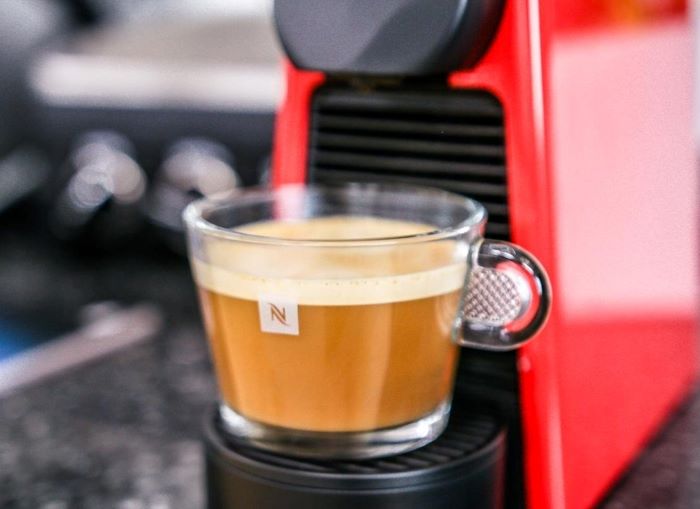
point(336, 445)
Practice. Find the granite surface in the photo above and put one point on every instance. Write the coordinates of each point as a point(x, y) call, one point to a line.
point(124, 432)
point(121, 432)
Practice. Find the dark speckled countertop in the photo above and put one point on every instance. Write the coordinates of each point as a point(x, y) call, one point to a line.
point(120, 432)
point(123, 431)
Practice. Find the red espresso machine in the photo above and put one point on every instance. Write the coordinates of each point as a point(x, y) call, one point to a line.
point(571, 122)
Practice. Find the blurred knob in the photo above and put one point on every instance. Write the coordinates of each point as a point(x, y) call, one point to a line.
point(192, 168)
point(100, 203)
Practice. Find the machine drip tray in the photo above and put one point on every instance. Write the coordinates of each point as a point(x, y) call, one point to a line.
point(462, 468)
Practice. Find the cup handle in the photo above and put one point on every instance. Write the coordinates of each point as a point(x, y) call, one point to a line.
point(507, 299)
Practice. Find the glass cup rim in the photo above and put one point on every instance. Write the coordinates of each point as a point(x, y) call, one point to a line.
point(193, 215)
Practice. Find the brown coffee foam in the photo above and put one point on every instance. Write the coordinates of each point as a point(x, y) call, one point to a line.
point(336, 228)
point(332, 275)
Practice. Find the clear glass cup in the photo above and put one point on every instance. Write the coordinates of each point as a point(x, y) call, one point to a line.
point(335, 314)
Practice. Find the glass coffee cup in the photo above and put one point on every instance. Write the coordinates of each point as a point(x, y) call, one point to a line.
point(335, 313)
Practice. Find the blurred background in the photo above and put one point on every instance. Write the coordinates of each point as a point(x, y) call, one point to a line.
point(113, 116)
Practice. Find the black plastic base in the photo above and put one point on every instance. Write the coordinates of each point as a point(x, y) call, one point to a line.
point(461, 469)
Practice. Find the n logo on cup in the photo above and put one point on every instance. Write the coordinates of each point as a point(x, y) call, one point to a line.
point(278, 315)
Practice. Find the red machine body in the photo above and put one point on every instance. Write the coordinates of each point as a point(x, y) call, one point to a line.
point(602, 186)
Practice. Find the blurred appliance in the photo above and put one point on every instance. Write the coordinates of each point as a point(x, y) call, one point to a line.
point(571, 122)
point(203, 87)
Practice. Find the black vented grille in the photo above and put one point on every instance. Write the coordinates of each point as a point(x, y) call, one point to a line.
point(466, 434)
point(450, 139)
